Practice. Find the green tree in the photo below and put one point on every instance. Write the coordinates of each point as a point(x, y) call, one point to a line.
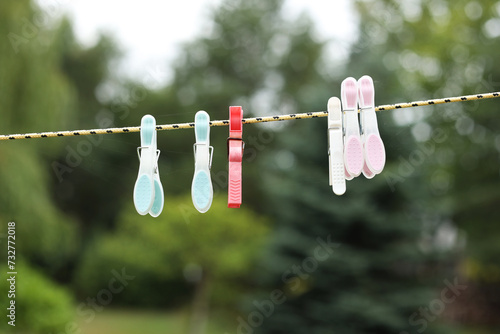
point(33, 91)
point(448, 48)
point(84, 168)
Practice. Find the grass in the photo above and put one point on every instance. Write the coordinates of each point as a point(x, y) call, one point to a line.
point(478, 330)
point(113, 321)
point(120, 321)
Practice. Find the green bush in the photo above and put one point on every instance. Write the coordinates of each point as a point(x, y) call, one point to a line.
point(42, 307)
point(221, 243)
point(138, 258)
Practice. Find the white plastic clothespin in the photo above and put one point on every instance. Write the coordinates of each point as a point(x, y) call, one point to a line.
point(336, 146)
point(374, 150)
point(148, 190)
point(353, 148)
point(201, 188)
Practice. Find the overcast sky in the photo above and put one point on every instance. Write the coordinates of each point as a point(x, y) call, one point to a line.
point(150, 31)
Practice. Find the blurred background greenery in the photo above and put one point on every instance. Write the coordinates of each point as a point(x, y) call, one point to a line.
point(88, 263)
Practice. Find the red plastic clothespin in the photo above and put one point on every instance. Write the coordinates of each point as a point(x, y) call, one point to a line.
point(235, 147)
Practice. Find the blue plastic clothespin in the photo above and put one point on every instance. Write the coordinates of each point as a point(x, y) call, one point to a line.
point(148, 190)
point(201, 188)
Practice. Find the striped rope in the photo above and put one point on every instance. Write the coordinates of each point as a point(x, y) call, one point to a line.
point(245, 120)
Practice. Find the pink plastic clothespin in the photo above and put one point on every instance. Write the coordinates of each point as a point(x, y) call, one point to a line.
point(235, 147)
point(353, 147)
point(374, 150)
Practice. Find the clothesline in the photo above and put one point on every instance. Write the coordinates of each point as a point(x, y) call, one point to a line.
point(245, 120)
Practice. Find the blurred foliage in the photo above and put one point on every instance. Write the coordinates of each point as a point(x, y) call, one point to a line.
point(41, 307)
point(33, 91)
point(84, 168)
point(177, 249)
point(436, 49)
point(38, 94)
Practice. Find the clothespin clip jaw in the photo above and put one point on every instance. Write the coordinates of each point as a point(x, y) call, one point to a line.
point(235, 146)
point(353, 147)
point(374, 150)
point(201, 188)
point(148, 190)
point(336, 147)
